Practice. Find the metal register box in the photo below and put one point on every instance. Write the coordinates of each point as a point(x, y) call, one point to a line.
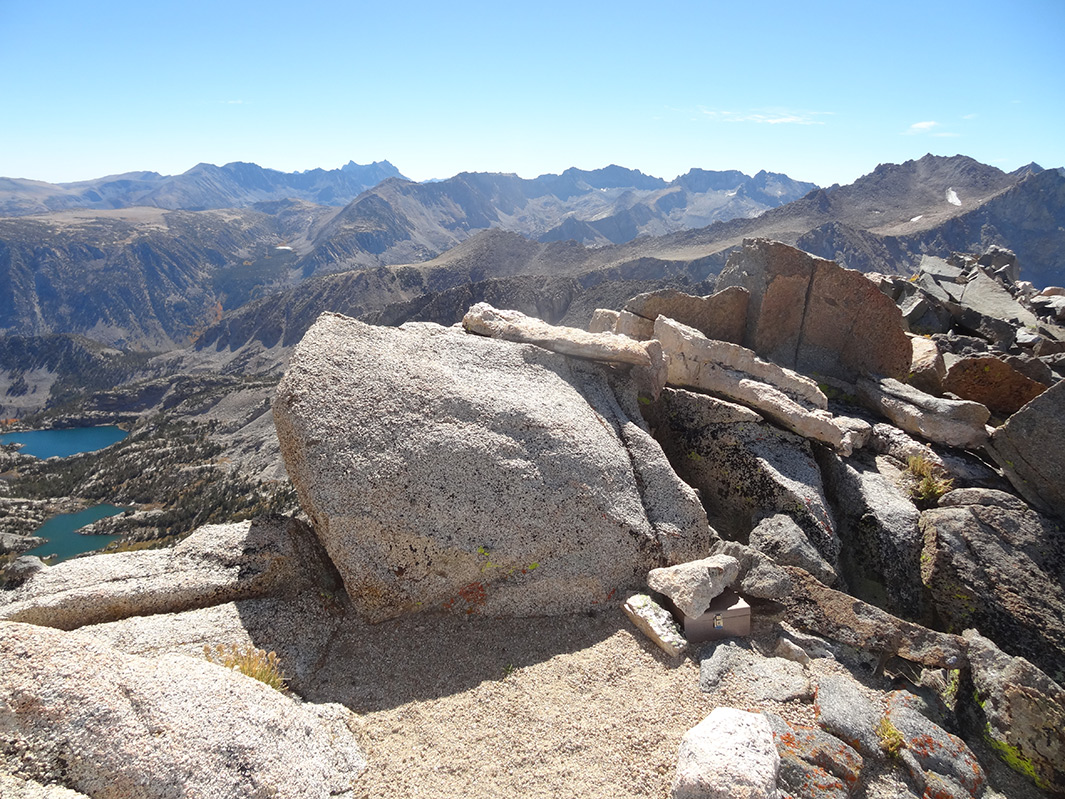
point(728, 616)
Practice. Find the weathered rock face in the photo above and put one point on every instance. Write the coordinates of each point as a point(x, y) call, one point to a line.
point(449, 471)
point(745, 470)
point(880, 552)
point(992, 563)
point(759, 576)
point(939, 762)
point(811, 606)
point(721, 316)
point(956, 423)
point(988, 297)
point(727, 755)
point(782, 539)
point(1020, 711)
point(847, 713)
point(1030, 449)
point(175, 726)
point(992, 382)
point(812, 315)
point(814, 763)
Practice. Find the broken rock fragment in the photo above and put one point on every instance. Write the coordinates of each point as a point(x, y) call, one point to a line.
point(656, 623)
point(485, 320)
point(693, 585)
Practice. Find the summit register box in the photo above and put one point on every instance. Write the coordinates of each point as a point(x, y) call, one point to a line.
point(728, 616)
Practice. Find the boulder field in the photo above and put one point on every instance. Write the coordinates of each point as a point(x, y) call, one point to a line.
point(895, 530)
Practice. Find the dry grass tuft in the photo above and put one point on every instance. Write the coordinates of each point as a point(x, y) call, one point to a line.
point(929, 485)
point(257, 664)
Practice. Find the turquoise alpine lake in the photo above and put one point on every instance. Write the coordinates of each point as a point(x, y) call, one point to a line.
point(64, 443)
point(64, 542)
point(74, 441)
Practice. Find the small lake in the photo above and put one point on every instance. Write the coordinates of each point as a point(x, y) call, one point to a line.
point(64, 443)
point(63, 541)
point(62, 538)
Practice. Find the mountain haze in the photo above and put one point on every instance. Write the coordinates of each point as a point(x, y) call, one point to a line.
point(235, 185)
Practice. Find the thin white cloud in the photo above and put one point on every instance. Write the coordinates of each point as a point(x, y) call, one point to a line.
point(920, 127)
point(768, 116)
point(970, 116)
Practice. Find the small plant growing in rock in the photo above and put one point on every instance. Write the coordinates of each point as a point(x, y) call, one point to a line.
point(929, 485)
point(891, 740)
point(254, 662)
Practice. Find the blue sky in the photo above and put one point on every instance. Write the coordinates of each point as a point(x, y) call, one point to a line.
point(823, 91)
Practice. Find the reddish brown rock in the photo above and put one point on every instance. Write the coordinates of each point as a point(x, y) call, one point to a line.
point(721, 316)
point(814, 316)
point(991, 382)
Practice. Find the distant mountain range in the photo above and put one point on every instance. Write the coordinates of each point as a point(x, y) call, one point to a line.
point(235, 185)
point(152, 279)
point(401, 222)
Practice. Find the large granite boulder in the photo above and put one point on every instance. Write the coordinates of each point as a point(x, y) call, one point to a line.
point(447, 471)
point(76, 712)
point(813, 315)
point(991, 562)
point(1020, 712)
point(1030, 449)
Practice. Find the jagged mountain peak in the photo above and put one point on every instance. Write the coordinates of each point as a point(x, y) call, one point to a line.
point(614, 177)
